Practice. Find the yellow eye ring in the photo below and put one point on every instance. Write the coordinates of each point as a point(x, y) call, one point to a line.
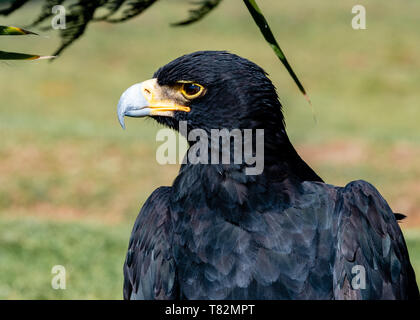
point(191, 90)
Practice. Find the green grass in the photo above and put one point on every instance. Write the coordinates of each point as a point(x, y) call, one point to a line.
point(72, 181)
point(93, 255)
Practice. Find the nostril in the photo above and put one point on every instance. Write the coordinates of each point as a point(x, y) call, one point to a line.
point(147, 91)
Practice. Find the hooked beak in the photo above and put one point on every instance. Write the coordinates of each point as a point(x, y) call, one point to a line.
point(147, 99)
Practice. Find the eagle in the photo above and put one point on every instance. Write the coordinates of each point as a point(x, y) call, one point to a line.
point(221, 233)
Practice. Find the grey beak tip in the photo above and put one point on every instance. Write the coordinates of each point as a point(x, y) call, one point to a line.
point(132, 103)
point(122, 124)
point(121, 115)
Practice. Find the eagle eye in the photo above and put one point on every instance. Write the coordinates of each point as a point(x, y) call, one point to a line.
point(191, 90)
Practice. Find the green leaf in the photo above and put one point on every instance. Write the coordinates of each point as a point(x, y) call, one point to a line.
point(262, 23)
point(21, 56)
point(14, 31)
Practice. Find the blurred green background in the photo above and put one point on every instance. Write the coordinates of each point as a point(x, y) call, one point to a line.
point(72, 181)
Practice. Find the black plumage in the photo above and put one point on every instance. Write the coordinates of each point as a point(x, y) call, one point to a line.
point(218, 233)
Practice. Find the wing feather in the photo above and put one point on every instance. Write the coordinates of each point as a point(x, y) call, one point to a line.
point(369, 237)
point(149, 268)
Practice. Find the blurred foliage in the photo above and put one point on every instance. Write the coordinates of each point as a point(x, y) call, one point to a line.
point(82, 12)
point(79, 14)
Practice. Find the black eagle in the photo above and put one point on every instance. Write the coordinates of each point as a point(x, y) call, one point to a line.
point(219, 233)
